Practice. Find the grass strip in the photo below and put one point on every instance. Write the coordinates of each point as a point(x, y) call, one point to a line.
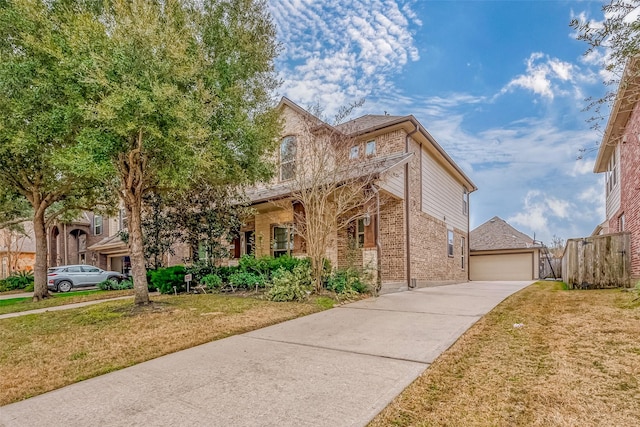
point(545, 356)
point(42, 352)
point(14, 305)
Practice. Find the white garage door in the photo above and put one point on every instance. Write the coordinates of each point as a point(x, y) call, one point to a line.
point(502, 267)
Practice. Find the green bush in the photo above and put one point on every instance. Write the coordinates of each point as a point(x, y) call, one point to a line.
point(347, 281)
point(113, 285)
point(247, 280)
point(267, 265)
point(164, 279)
point(292, 285)
point(211, 281)
point(18, 280)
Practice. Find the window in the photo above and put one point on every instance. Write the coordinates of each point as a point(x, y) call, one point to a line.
point(249, 240)
point(356, 234)
point(450, 243)
point(465, 201)
point(621, 223)
point(463, 247)
point(611, 177)
point(354, 152)
point(287, 158)
point(90, 269)
point(282, 240)
point(123, 220)
point(97, 225)
point(370, 150)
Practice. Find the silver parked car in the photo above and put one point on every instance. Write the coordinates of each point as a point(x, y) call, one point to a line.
point(65, 277)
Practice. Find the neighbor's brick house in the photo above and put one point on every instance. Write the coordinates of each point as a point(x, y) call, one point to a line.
point(423, 222)
point(619, 159)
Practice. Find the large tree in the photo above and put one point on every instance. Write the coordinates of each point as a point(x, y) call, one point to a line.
point(180, 93)
point(42, 159)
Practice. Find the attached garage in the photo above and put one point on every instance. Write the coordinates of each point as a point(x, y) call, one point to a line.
point(500, 252)
point(517, 266)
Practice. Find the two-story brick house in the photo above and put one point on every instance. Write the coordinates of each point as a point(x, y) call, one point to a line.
point(90, 239)
point(619, 160)
point(417, 237)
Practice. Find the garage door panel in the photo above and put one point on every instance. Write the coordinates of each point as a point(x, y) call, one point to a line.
point(502, 267)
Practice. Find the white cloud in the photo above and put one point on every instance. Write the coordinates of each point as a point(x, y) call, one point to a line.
point(538, 211)
point(335, 52)
point(542, 76)
point(582, 167)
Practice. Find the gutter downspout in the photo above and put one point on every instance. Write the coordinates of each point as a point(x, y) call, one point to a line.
point(407, 207)
point(378, 244)
point(468, 239)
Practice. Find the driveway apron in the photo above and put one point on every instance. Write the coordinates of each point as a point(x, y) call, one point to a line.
point(335, 368)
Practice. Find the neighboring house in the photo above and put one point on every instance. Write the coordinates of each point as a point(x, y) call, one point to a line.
point(90, 239)
point(17, 250)
point(619, 159)
point(95, 239)
point(500, 252)
point(419, 243)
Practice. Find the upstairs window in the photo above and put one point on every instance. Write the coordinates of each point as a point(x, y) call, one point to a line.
point(97, 225)
point(621, 223)
point(354, 153)
point(370, 149)
point(611, 177)
point(465, 201)
point(123, 221)
point(287, 158)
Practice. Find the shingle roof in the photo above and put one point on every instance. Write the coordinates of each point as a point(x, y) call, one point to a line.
point(368, 121)
point(374, 167)
point(497, 234)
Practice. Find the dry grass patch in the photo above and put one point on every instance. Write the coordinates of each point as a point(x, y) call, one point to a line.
point(544, 357)
point(42, 352)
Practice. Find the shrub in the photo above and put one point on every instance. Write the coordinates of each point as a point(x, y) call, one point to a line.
point(292, 285)
point(247, 280)
point(199, 269)
point(164, 279)
point(17, 280)
point(211, 281)
point(113, 285)
point(347, 281)
point(267, 265)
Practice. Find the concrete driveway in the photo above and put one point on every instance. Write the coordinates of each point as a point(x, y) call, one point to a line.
point(335, 368)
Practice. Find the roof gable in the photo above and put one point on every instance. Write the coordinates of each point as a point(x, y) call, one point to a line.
point(498, 234)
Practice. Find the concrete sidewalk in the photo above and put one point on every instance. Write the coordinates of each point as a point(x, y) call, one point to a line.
point(335, 368)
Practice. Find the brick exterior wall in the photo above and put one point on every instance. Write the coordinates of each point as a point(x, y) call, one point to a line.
point(430, 262)
point(630, 190)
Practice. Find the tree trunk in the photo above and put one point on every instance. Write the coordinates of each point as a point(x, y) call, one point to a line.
point(132, 169)
point(138, 268)
point(40, 290)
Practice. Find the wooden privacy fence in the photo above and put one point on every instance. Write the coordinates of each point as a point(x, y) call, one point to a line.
point(597, 262)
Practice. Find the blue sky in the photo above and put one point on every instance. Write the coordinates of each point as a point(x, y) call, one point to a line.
point(501, 85)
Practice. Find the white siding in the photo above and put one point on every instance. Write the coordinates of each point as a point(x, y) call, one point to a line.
point(393, 183)
point(442, 194)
